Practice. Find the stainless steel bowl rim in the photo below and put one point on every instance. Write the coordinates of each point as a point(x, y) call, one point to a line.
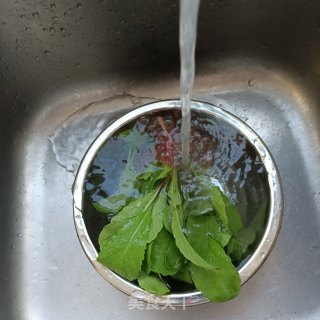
point(258, 257)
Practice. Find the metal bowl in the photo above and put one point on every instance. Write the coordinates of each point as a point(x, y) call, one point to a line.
point(248, 269)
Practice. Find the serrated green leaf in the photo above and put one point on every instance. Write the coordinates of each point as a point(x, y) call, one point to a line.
point(128, 212)
point(152, 284)
point(174, 190)
point(148, 181)
point(160, 206)
point(166, 258)
point(122, 249)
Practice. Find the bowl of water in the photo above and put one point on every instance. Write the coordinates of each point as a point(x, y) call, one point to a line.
point(233, 156)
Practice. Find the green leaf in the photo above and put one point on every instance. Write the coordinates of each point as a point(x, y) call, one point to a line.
point(112, 204)
point(200, 228)
point(184, 275)
point(174, 190)
point(234, 219)
point(152, 284)
point(148, 181)
point(125, 239)
point(166, 258)
point(199, 203)
point(167, 219)
point(160, 206)
point(218, 204)
point(181, 242)
point(238, 245)
point(221, 284)
point(146, 264)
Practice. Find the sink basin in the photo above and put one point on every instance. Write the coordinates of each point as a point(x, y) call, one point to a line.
point(69, 68)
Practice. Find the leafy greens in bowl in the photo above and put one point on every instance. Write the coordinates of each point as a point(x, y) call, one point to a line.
point(153, 228)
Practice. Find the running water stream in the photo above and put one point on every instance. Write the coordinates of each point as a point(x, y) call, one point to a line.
point(187, 38)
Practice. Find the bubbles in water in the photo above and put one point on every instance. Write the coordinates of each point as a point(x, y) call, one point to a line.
point(46, 52)
point(36, 14)
point(251, 82)
point(53, 6)
point(52, 29)
point(79, 5)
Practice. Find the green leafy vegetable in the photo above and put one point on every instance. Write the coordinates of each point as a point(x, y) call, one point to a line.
point(207, 226)
point(219, 205)
point(181, 242)
point(239, 244)
point(162, 235)
point(152, 283)
point(166, 258)
point(222, 283)
point(124, 250)
point(234, 220)
point(146, 264)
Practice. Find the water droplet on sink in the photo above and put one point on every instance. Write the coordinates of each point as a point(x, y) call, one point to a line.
point(19, 234)
point(36, 14)
point(251, 82)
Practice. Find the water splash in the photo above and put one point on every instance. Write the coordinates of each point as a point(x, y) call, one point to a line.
point(73, 137)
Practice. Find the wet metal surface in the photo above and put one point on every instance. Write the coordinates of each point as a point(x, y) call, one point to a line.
point(258, 59)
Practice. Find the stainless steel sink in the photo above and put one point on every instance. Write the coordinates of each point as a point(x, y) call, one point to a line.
point(65, 64)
